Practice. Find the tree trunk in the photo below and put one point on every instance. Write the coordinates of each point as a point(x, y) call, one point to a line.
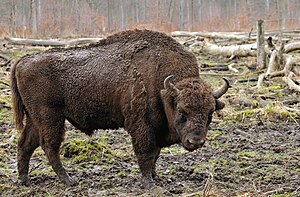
point(13, 18)
point(33, 8)
point(122, 6)
point(181, 14)
point(261, 55)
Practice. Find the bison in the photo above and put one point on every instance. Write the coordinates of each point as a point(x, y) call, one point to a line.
point(141, 80)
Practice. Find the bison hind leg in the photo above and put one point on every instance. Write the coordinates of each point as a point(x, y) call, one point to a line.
point(51, 136)
point(27, 143)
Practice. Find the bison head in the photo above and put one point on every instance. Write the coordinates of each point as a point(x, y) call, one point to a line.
point(189, 107)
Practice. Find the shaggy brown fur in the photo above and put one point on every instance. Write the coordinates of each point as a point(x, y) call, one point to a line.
point(117, 82)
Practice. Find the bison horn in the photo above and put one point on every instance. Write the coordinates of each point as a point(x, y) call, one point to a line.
point(170, 86)
point(222, 90)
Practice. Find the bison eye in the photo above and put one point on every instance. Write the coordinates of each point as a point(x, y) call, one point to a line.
point(182, 118)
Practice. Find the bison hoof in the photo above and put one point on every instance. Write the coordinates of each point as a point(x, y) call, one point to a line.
point(69, 182)
point(23, 181)
point(148, 183)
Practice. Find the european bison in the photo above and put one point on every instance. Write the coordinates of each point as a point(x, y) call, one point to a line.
point(126, 80)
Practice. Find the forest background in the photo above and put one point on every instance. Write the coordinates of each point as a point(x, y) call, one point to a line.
point(75, 18)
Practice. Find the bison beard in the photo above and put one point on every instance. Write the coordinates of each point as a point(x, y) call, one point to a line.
point(122, 81)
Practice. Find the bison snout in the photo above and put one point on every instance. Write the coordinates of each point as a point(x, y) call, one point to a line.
point(193, 143)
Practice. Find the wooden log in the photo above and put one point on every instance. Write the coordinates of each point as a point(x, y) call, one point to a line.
point(54, 43)
point(240, 36)
point(6, 60)
point(35, 42)
point(272, 62)
point(231, 67)
point(226, 51)
point(227, 35)
point(292, 85)
point(292, 47)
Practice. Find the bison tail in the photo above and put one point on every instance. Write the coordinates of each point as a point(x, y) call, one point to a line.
point(17, 103)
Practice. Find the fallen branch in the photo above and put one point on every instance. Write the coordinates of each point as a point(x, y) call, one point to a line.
point(219, 74)
point(6, 60)
point(285, 63)
point(217, 68)
point(291, 102)
point(292, 85)
point(229, 35)
point(4, 83)
point(291, 47)
point(273, 191)
point(226, 51)
point(54, 43)
point(231, 67)
point(246, 80)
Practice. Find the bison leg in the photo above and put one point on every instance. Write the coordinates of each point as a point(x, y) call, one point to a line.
point(51, 136)
point(147, 154)
point(27, 143)
point(154, 175)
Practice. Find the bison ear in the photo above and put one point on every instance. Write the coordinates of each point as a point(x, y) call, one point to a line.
point(167, 99)
point(219, 105)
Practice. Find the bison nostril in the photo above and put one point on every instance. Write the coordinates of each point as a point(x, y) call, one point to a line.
point(189, 141)
point(201, 142)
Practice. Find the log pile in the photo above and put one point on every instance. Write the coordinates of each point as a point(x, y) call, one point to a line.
point(280, 58)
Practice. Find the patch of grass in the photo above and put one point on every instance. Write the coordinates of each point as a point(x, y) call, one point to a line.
point(17, 53)
point(246, 155)
point(79, 150)
point(133, 172)
point(283, 195)
point(200, 168)
point(5, 187)
point(121, 174)
point(173, 150)
point(5, 112)
point(214, 134)
point(273, 112)
point(171, 170)
point(47, 170)
point(4, 156)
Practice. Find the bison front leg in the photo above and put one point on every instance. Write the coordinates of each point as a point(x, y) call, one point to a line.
point(147, 153)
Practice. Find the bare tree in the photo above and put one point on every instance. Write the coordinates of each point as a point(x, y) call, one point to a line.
point(13, 18)
point(123, 19)
point(181, 14)
point(33, 9)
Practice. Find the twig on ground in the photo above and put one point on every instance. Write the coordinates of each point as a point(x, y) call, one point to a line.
point(219, 74)
point(35, 167)
point(246, 80)
point(273, 191)
point(209, 184)
point(4, 83)
point(231, 67)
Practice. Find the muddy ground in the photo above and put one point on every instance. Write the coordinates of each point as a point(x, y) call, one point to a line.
point(253, 149)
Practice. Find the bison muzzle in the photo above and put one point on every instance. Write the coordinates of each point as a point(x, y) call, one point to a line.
point(141, 80)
